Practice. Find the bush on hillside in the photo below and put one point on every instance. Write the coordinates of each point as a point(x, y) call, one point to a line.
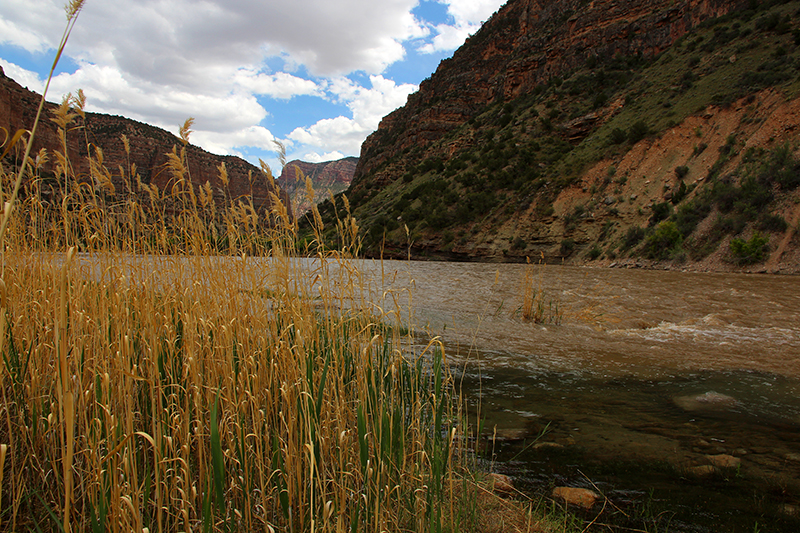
point(663, 241)
point(753, 250)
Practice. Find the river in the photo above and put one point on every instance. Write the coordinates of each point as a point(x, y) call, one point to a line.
point(647, 380)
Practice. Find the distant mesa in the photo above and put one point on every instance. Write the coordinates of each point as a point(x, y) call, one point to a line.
point(328, 178)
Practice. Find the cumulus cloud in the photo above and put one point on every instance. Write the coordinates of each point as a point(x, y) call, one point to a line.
point(281, 85)
point(224, 62)
point(467, 16)
point(24, 77)
point(368, 106)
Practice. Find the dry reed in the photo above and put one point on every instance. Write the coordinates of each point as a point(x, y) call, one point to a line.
point(171, 364)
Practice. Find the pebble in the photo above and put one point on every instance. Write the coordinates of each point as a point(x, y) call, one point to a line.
point(702, 470)
point(790, 510)
point(547, 445)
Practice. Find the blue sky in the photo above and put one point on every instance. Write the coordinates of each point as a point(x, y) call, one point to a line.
point(317, 75)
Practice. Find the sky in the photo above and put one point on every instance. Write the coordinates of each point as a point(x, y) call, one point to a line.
point(316, 75)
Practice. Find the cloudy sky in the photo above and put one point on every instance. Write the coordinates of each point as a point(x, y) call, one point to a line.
point(317, 75)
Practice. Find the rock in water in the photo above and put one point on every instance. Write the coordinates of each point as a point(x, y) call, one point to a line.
point(501, 484)
point(710, 401)
point(574, 496)
point(724, 461)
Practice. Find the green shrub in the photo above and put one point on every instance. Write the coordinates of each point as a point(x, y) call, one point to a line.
point(681, 171)
point(567, 247)
point(751, 251)
point(638, 131)
point(691, 214)
point(680, 194)
point(618, 136)
point(595, 252)
point(660, 212)
point(663, 241)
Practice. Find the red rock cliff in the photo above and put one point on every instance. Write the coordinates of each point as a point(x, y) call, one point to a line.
point(148, 148)
point(524, 44)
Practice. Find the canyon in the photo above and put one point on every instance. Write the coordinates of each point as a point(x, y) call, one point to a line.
point(581, 132)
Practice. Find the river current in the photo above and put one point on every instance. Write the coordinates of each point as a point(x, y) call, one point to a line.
point(638, 384)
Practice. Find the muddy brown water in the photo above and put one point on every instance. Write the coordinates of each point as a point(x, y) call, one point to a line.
point(650, 379)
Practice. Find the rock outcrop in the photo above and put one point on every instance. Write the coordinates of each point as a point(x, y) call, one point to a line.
point(148, 149)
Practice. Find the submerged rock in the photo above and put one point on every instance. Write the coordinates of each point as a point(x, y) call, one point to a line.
point(574, 496)
point(710, 401)
point(702, 470)
point(724, 461)
point(547, 445)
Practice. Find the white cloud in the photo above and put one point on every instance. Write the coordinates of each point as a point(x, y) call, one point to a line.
point(34, 25)
point(162, 62)
point(108, 91)
point(313, 157)
point(26, 78)
point(229, 143)
point(281, 85)
point(472, 11)
point(368, 106)
point(468, 15)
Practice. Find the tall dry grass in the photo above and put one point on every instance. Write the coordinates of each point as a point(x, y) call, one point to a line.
point(169, 363)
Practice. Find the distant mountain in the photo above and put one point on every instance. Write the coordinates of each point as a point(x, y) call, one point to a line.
point(635, 132)
point(331, 177)
point(148, 146)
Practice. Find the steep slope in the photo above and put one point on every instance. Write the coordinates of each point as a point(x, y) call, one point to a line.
point(587, 131)
point(147, 150)
point(328, 178)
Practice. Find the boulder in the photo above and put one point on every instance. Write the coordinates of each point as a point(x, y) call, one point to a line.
point(709, 401)
point(702, 470)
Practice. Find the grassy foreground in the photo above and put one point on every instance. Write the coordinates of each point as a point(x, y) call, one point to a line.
point(170, 365)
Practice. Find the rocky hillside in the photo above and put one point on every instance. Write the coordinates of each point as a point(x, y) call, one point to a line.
point(148, 148)
point(329, 178)
point(628, 132)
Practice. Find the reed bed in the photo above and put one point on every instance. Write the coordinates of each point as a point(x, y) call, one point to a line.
point(169, 363)
point(175, 361)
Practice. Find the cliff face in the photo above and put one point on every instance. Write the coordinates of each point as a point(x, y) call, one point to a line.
point(148, 146)
point(525, 44)
point(624, 131)
point(331, 177)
